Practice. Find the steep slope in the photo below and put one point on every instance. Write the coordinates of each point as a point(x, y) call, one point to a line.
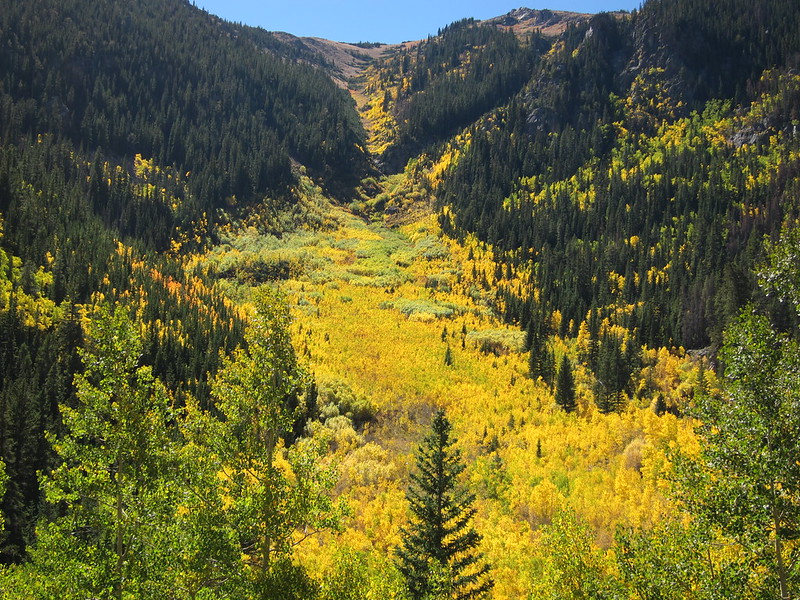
point(426, 92)
point(344, 62)
point(174, 84)
point(601, 149)
point(75, 233)
point(714, 52)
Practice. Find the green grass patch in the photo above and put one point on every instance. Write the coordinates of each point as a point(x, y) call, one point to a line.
point(498, 341)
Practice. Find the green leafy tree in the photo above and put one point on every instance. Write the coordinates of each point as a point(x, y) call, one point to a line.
point(201, 547)
point(575, 568)
point(679, 559)
point(362, 576)
point(746, 480)
point(565, 386)
point(781, 276)
point(277, 496)
point(439, 556)
point(115, 453)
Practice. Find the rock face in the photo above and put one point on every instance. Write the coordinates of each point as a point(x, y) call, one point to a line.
point(704, 53)
point(753, 134)
point(526, 20)
point(343, 61)
point(655, 50)
point(582, 73)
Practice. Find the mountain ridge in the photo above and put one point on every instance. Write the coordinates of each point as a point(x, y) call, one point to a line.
point(550, 23)
point(350, 59)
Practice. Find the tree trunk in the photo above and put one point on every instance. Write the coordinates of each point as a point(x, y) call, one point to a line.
point(119, 535)
point(266, 551)
point(782, 578)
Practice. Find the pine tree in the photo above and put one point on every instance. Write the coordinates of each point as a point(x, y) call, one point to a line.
point(438, 557)
point(448, 357)
point(565, 386)
point(613, 374)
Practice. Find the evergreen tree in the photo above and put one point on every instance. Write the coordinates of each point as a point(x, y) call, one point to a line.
point(438, 557)
point(613, 373)
point(541, 363)
point(448, 357)
point(565, 386)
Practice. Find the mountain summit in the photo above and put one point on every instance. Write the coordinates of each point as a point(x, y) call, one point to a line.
point(549, 23)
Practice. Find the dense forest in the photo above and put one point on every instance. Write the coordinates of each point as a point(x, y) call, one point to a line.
point(639, 167)
point(514, 315)
point(64, 223)
point(448, 81)
point(218, 113)
point(170, 83)
point(627, 175)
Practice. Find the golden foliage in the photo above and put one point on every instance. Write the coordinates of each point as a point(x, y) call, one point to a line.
point(526, 458)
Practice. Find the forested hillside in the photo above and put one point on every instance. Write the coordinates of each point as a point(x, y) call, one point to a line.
point(438, 86)
point(639, 176)
point(514, 315)
point(125, 130)
point(169, 82)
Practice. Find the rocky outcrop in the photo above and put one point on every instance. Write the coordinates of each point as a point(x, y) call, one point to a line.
point(549, 23)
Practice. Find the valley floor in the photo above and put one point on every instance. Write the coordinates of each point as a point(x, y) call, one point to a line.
point(391, 319)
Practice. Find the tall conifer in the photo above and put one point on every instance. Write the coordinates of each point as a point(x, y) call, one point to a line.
point(565, 386)
point(438, 556)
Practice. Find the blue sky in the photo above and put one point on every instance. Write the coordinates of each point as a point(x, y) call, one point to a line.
point(378, 20)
